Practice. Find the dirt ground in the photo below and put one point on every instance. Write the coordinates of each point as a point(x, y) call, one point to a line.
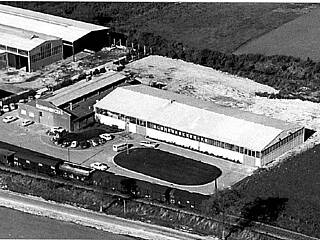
point(225, 89)
point(56, 72)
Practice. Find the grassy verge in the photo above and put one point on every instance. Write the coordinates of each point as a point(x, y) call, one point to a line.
point(90, 199)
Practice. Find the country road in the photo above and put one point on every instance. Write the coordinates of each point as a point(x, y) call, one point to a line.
point(85, 217)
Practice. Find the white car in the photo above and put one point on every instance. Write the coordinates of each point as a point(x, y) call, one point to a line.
point(26, 123)
point(106, 136)
point(74, 144)
point(99, 166)
point(5, 108)
point(12, 106)
point(149, 144)
point(9, 119)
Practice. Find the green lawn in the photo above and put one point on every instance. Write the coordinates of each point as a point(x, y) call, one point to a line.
point(167, 166)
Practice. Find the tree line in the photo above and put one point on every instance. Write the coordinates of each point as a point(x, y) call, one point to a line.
point(293, 77)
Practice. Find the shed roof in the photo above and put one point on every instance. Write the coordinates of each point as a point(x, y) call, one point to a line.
point(22, 39)
point(81, 88)
point(195, 116)
point(67, 29)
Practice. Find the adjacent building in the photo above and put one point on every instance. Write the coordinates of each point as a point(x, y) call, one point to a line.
point(71, 107)
point(240, 136)
point(21, 48)
point(32, 39)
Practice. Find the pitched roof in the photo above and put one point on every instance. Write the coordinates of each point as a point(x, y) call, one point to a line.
point(195, 116)
point(67, 29)
point(22, 39)
point(81, 88)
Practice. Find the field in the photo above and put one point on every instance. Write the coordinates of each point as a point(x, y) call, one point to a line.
point(298, 38)
point(169, 167)
point(217, 26)
point(296, 182)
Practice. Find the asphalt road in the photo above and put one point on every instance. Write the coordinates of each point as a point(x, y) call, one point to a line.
point(93, 219)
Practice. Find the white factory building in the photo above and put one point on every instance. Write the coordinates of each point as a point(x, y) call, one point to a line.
point(32, 39)
point(240, 136)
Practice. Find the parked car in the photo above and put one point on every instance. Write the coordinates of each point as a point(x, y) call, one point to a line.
point(9, 119)
point(65, 144)
point(84, 144)
point(149, 144)
point(26, 123)
point(99, 166)
point(74, 144)
point(56, 130)
point(101, 140)
point(94, 142)
point(106, 136)
point(56, 141)
point(5, 108)
point(12, 106)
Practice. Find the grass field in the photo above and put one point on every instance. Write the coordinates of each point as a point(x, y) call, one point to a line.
point(167, 166)
point(298, 181)
point(298, 38)
point(217, 26)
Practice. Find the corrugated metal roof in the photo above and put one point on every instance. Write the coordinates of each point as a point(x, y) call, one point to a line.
point(67, 29)
point(76, 90)
point(22, 39)
point(195, 116)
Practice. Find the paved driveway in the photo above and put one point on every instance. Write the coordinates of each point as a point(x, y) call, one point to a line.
point(34, 137)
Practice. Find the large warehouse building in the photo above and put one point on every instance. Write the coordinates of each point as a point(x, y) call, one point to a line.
point(24, 30)
point(21, 48)
point(248, 138)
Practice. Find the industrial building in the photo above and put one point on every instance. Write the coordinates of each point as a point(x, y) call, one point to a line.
point(71, 107)
point(240, 136)
point(31, 39)
point(21, 48)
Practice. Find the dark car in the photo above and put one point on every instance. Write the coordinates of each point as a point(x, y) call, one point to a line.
point(94, 142)
point(101, 140)
point(65, 144)
point(84, 144)
point(56, 141)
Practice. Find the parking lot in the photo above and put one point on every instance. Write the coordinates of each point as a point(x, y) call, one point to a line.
point(34, 137)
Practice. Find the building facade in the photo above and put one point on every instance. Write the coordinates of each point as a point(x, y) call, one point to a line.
point(180, 120)
point(21, 48)
point(45, 113)
point(76, 35)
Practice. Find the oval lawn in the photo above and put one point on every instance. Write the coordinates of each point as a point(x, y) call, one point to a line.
point(167, 166)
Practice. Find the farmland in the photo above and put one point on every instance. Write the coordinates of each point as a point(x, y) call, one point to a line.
point(298, 38)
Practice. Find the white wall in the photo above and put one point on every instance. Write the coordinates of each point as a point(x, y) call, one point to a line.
point(195, 145)
point(132, 128)
point(111, 121)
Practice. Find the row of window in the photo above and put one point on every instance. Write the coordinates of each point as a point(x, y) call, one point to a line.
point(209, 141)
point(15, 50)
point(176, 132)
point(121, 117)
point(282, 142)
point(45, 52)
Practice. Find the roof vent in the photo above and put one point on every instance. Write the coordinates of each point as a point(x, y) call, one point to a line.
point(34, 36)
